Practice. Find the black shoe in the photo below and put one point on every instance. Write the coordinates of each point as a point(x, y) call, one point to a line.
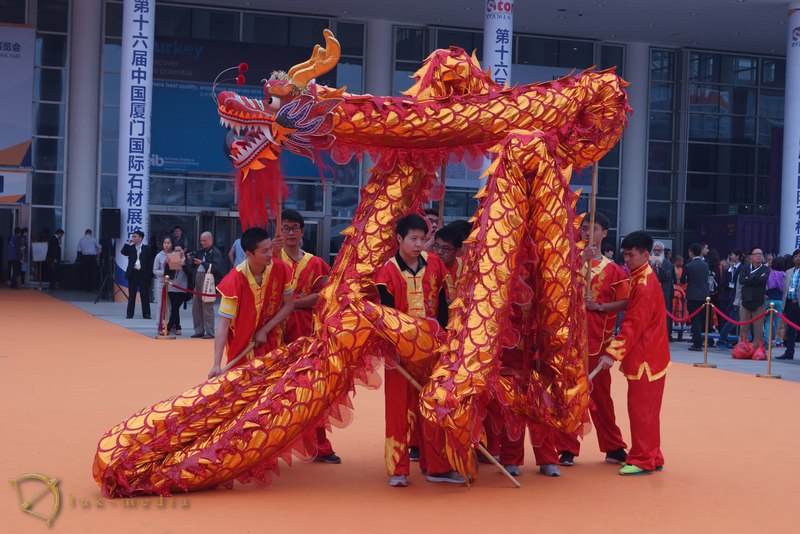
point(566, 458)
point(616, 457)
point(710, 343)
point(146, 317)
point(197, 335)
point(207, 336)
point(413, 454)
point(785, 356)
point(129, 316)
point(695, 349)
point(328, 459)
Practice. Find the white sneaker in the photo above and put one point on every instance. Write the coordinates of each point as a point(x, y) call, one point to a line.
point(451, 477)
point(398, 481)
point(550, 470)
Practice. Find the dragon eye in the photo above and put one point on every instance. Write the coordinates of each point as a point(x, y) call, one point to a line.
point(274, 102)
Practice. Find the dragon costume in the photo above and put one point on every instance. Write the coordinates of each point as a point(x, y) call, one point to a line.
point(235, 427)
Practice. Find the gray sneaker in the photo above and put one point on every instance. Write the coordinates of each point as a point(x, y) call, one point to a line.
point(550, 470)
point(451, 477)
point(398, 481)
point(512, 469)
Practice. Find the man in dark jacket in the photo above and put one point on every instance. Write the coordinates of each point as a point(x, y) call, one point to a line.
point(665, 272)
point(695, 276)
point(731, 295)
point(207, 259)
point(139, 273)
point(753, 279)
point(53, 257)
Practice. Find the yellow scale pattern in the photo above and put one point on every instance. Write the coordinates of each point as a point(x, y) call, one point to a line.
point(237, 426)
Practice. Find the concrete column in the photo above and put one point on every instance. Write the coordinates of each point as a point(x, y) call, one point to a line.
point(379, 70)
point(80, 180)
point(790, 173)
point(379, 58)
point(632, 194)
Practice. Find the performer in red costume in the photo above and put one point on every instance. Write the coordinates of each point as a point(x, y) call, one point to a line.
point(414, 283)
point(256, 299)
point(309, 274)
point(447, 244)
point(509, 449)
point(609, 296)
point(643, 350)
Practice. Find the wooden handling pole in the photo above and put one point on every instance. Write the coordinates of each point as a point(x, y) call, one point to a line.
point(441, 201)
point(478, 446)
point(250, 346)
point(592, 209)
point(594, 373)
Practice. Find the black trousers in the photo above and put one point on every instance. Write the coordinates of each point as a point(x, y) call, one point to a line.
point(792, 312)
point(90, 272)
point(14, 272)
point(698, 321)
point(668, 304)
point(176, 299)
point(139, 283)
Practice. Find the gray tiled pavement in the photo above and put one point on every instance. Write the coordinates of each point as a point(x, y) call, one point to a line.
point(114, 312)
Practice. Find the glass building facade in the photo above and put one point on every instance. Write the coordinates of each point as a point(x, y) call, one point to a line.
point(713, 143)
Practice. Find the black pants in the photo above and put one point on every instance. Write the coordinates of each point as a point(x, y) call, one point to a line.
point(792, 312)
point(176, 299)
point(14, 272)
point(52, 273)
point(139, 283)
point(668, 304)
point(89, 272)
point(698, 321)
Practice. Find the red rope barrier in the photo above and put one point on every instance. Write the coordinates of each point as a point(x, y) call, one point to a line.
point(740, 323)
point(193, 292)
point(790, 323)
point(688, 317)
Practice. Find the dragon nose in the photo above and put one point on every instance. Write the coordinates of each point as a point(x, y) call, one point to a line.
point(223, 96)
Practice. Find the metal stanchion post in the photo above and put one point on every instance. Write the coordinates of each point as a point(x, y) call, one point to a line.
point(164, 333)
point(769, 374)
point(705, 363)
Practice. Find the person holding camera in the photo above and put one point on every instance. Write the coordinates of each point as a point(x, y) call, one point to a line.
point(206, 260)
point(138, 273)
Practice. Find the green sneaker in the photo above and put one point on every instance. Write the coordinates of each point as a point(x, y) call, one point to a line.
point(633, 470)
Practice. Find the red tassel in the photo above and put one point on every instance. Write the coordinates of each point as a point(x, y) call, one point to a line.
point(243, 68)
point(240, 79)
point(260, 195)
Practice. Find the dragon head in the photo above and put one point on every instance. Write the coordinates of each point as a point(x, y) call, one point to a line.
point(292, 114)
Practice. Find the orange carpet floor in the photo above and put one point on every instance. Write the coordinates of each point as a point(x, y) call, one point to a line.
point(730, 443)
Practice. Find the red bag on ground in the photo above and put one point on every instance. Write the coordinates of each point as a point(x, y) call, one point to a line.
point(743, 351)
point(760, 353)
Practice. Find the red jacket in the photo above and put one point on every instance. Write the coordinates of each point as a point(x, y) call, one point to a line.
point(641, 344)
point(254, 306)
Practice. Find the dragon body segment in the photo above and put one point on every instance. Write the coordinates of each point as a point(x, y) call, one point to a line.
point(522, 253)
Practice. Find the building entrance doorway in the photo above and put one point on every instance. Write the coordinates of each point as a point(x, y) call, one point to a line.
point(9, 219)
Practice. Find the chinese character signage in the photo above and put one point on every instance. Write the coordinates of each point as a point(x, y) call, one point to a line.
point(498, 26)
point(16, 94)
point(790, 202)
point(136, 97)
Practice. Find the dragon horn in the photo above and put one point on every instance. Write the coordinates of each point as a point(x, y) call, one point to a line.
point(322, 60)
